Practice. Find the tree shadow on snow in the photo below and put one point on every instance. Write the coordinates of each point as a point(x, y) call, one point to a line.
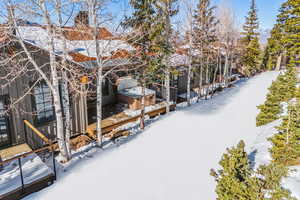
point(251, 158)
point(88, 153)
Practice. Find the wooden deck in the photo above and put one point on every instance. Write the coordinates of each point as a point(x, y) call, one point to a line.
point(13, 151)
point(115, 121)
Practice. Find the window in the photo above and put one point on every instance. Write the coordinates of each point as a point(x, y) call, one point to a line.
point(4, 128)
point(43, 103)
point(105, 87)
point(192, 79)
point(174, 80)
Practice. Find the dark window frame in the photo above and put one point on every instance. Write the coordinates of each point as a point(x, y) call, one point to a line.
point(174, 80)
point(5, 119)
point(105, 87)
point(46, 108)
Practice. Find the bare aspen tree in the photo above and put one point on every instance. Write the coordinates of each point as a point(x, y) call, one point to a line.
point(189, 7)
point(41, 9)
point(205, 36)
point(93, 6)
point(53, 85)
point(104, 52)
point(66, 97)
point(227, 34)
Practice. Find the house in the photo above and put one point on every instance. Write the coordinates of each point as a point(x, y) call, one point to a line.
point(37, 107)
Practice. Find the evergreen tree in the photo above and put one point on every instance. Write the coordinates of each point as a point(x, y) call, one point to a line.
point(285, 37)
point(291, 81)
point(237, 180)
point(275, 45)
point(270, 177)
point(270, 110)
point(234, 179)
point(167, 9)
point(286, 143)
point(291, 37)
point(147, 30)
point(250, 41)
point(273, 52)
point(281, 90)
point(297, 95)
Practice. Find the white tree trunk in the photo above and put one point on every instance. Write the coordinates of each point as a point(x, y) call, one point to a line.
point(278, 62)
point(214, 80)
point(66, 102)
point(142, 119)
point(99, 105)
point(200, 83)
point(58, 111)
point(231, 64)
point(167, 87)
point(55, 88)
point(92, 4)
point(225, 75)
point(207, 80)
point(66, 97)
point(188, 89)
point(168, 37)
point(220, 69)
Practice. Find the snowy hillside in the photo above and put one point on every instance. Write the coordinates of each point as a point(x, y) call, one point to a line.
point(172, 159)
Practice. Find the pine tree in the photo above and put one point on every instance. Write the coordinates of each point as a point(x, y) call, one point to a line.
point(167, 9)
point(250, 41)
point(234, 179)
point(291, 81)
point(285, 38)
point(287, 85)
point(297, 94)
point(270, 110)
point(281, 90)
point(270, 177)
point(237, 180)
point(276, 46)
point(274, 51)
point(286, 143)
point(291, 27)
point(147, 30)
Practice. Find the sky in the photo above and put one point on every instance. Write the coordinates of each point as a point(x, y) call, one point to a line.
point(267, 10)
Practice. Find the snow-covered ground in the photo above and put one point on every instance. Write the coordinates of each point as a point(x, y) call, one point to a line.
point(171, 160)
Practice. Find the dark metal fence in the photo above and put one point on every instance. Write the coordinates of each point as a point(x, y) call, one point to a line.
point(27, 173)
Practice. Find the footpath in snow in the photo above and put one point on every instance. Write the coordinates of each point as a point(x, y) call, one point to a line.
point(172, 158)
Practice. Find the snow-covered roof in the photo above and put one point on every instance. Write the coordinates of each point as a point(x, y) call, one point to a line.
point(136, 92)
point(109, 63)
point(38, 36)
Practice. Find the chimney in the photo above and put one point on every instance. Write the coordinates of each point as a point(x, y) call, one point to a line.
point(82, 19)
